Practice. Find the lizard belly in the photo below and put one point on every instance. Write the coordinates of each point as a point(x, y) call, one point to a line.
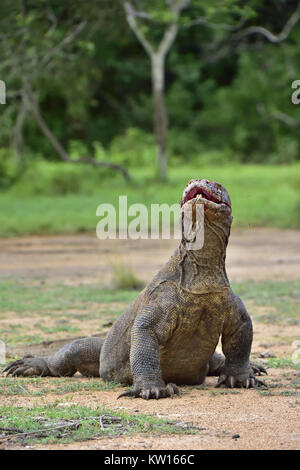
point(185, 360)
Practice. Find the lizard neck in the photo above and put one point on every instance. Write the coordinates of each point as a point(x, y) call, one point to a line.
point(205, 268)
point(213, 251)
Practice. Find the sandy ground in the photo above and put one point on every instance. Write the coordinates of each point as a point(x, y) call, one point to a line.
point(262, 421)
point(252, 254)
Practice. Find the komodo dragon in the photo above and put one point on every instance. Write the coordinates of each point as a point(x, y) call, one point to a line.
point(169, 333)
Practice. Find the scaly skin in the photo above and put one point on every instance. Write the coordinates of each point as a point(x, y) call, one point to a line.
point(169, 334)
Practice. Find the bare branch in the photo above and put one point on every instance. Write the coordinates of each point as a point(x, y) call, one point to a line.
point(130, 15)
point(175, 7)
point(220, 48)
point(51, 17)
point(168, 39)
point(224, 26)
point(33, 105)
point(279, 115)
point(171, 32)
point(66, 41)
point(141, 14)
point(294, 18)
point(289, 120)
point(179, 6)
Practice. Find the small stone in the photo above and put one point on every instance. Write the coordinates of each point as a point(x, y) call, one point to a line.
point(235, 436)
point(266, 354)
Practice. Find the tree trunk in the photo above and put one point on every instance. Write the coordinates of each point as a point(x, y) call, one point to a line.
point(17, 133)
point(160, 114)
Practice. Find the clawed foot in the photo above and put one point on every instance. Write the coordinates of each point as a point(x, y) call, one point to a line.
point(28, 366)
point(152, 391)
point(258, 369)
point(240, 381)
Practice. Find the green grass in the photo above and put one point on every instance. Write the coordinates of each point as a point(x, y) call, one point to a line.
point(261, 196)
point(53, 308)
point(50, 424)
point(23, 298)
point(40, 386)
point(59, 303)
point(281, 363)
point(282, 297)
point(19, 297)
point(285, 393)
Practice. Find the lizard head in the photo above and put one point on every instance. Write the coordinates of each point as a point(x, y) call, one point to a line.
point(213, 195)
point(217, 215)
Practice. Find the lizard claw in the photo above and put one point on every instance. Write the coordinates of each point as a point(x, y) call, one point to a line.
point(128, 393)
point(258, 369)
point(29, 366)
point(221, 380)
point(240, 381)
point(154, 391)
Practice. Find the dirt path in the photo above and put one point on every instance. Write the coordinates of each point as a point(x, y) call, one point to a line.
point(263, 421)
point(252, 254)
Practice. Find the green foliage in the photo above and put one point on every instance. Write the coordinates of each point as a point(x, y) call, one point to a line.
point(246, 123)
point(133, 149)
point(9, 167)
point(95, 90)
point(49, 178)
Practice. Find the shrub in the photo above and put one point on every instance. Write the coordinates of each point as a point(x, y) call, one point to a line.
point(124, 278)
point(9, 167)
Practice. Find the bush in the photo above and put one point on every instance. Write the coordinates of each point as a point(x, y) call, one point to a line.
point(9, 167)
point(124, 278)
point(287, 151)
point(58, 178)
point(133, 149)
point(217, 157)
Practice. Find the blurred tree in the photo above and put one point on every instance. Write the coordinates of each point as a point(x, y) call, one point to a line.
point(164, 17)
point(169, 14)
point(36, 40)
point(227, 86)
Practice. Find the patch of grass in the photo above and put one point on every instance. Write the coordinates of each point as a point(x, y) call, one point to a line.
point(249, 186)
point(48, 304)
point(21, 339)
point(53, 308)
point(281, 363)
point(58, 329)
point(283, 297)
point(48, 424)
point(38, 386)
point(125, 279)
point(23, 298)
point(224, 391)
point(284, 393)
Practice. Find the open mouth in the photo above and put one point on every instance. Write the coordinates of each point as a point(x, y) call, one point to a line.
point(199, 193)
point(195, 190)
point(210, 194)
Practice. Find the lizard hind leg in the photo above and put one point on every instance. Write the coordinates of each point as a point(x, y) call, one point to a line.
point(86, 359)
point(82, 355)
